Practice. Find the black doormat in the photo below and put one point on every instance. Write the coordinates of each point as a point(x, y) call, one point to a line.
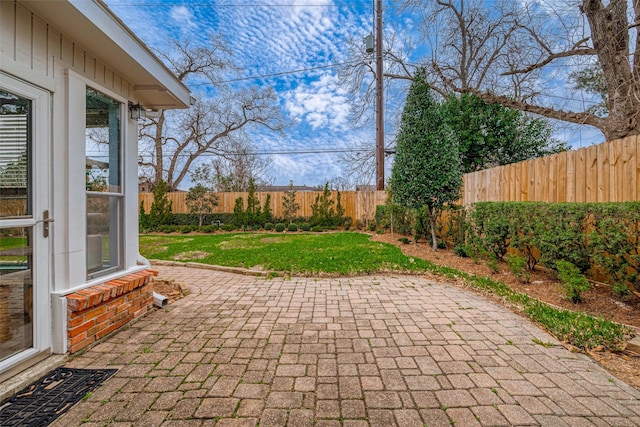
point(45, 400)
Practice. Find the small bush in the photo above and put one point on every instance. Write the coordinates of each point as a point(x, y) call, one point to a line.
point(463, 251)
point(305, 226)
point(268, 226)
point(186, 229)
point(316, 229)
point(404, 240)
point(518, 266)
point(492, 263)
point(442, 244)
point(292, 227)
point(280, 227)
point(209, 228)
point(348, 222)
point(372, 227)
point(621, 291)
point(575, 283)
point(228, 227)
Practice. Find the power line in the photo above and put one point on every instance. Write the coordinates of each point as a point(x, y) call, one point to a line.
point(252, 5)
point(278, 74)
point(260, 153)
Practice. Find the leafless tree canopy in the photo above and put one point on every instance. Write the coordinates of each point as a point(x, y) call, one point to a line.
point(171, 144)
point(233, 171)
point(504, 51)
point(358, 76)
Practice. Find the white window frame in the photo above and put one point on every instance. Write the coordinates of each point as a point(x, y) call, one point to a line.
point(119, 196)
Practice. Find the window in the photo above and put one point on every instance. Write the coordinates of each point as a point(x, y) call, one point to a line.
point(16, 259)
point(103, 184)
point(15, 115)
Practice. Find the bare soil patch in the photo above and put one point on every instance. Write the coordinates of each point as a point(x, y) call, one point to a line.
point(190, 255)
point(171, 289)
point(598, 301)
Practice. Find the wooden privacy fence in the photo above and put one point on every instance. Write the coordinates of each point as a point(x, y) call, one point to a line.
point(607, 172)
point(359, 205)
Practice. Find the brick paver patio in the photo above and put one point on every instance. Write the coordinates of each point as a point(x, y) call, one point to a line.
point(364, 351)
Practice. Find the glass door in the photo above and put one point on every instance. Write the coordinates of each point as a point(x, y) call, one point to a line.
point(24, 222)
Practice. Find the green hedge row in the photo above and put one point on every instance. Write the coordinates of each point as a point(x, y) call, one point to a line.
point(208, 219)
point(597, 238)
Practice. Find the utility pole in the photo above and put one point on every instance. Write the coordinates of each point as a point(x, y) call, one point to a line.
point(379, 101)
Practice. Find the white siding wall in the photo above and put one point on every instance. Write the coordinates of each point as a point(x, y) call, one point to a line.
point(37, 53)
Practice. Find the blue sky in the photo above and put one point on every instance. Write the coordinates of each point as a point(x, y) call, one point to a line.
point(280, 37)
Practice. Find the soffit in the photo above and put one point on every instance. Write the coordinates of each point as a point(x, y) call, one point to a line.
point(92, 25)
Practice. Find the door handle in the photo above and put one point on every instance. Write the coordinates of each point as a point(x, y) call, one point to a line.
point(45, 222)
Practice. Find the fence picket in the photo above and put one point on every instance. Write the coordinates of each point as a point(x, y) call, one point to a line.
point(608, 172)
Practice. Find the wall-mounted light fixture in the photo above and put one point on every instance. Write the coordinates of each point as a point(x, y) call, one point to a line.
point(137, 112)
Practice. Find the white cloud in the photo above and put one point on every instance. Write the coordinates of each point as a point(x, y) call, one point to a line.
point(183, 17)
point(321, 103)
point(275, 36)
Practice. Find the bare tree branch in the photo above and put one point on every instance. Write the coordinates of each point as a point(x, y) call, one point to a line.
point(175, 141)
point(550, 58)
point(498, 51)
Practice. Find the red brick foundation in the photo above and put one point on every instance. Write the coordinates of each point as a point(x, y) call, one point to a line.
point(99, 310)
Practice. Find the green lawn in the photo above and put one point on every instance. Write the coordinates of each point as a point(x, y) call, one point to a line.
point(7, 243)
point(12, 242)
point(334, 253)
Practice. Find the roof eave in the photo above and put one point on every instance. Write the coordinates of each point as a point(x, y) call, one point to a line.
point(156, 87)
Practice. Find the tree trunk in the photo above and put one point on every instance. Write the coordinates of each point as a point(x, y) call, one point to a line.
point(610, 35)
point(433, 212)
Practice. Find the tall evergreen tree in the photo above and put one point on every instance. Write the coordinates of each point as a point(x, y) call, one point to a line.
point(427, 170)
point(492, 135)
point(289, 205)
point(160, 212)
point(253, 204)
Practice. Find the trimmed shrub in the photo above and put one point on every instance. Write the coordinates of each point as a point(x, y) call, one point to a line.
point(268, 226)
point(614, 244)
point(209, 228)
point(392, 215)
point(316, 229)
point(489, 223)
point(348, 222)
point(597, 238)
point(168, 228)
point(214, 219)
point(305, 226)
point(280, 227)
point(292, 227)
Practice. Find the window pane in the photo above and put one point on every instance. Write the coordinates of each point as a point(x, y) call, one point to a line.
point(15, 153)
point(103, 233)
point(103, 171)
point(16, 291)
